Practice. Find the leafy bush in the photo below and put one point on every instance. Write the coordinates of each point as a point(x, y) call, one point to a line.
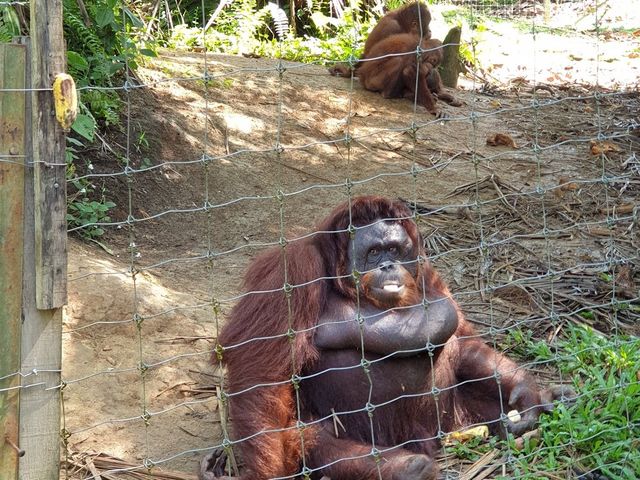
point(101, 44)
point(9, 23)
point(82, 211)
point(86, 213)
point(237, 32)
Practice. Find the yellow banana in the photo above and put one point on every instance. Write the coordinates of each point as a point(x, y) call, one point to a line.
point(66, 100)
point(481, 431)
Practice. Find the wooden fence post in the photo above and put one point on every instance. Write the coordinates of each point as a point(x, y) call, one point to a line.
point(45, 253)
point(12, 136)
point(47, 60)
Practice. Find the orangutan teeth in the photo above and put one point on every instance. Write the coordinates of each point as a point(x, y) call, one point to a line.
point(393, 288)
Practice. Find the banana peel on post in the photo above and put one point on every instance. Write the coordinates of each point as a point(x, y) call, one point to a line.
point(65, 99)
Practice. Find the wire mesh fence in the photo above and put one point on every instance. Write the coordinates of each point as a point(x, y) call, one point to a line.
point(526, 200)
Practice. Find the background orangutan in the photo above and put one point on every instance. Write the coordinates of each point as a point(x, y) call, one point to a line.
point(389, 66)
point(393, 69)
point(330, 346)
point(411, 18)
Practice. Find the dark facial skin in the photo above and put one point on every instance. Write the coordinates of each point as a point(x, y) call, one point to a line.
point(395, 315)
point(384, 241)
point(386, 257)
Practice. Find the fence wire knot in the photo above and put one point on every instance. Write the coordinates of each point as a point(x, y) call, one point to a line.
point(375, 453)
point(219, 350)
point(356, 276)
point(146, 416)
point(143, 367)
point(348, 182)
point(291, 334)
point(215, 306)
point(364, 363)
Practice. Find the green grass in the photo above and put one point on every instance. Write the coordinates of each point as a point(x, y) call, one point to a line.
point(601, 431)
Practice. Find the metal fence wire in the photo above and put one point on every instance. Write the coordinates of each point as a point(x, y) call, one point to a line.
point(526, 198)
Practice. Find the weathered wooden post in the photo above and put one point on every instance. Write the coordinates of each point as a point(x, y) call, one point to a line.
point(47, 60)
point(13, 59)
point(45, 253)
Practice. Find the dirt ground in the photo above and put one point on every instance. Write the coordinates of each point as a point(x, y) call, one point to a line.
point(196, 225)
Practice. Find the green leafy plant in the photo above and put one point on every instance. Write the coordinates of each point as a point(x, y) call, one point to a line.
point(601, 431)
point(522, 344)
point(82, 211)
point(86, 213)
point(241, 30)
point(9, 23)
point(101, 45)
point(472, 449)
point(103, 41)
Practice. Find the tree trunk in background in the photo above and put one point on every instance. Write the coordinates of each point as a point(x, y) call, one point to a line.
point(451, 65)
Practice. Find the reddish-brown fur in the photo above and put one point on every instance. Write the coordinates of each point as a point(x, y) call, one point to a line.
point(399, 32)
point(411, 18)
point(393, 70)
point(312, 266)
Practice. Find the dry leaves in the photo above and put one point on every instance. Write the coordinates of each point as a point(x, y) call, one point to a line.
point(501, 139)
point(598, 148)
